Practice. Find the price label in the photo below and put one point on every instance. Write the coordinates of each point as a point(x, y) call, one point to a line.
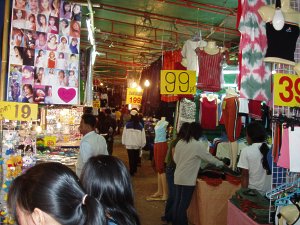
point(18, 111)
point(134, 96)
point(177, 82)
point(50, 141)
point(96, 104)
point(287, 90)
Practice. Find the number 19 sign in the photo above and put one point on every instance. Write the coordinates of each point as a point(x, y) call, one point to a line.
point(177, 82)
point(286, 90)
point(18, 111)
point(134, 96)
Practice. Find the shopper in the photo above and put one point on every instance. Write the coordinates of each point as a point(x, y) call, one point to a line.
point(108, 129)
point(170, 169)
point(190, 152)
point(134, 139)
point(107, 179)
point(256, 172)
point(91, 143)
point(50, 194)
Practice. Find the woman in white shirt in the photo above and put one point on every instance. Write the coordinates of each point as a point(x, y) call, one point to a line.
point(256, 172)
point(190, 152)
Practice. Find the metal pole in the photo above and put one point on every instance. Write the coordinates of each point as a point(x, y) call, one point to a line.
point(5, 44)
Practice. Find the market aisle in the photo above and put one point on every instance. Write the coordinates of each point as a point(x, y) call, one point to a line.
point(144, 184)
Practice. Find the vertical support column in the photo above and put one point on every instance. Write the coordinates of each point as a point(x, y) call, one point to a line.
point(5, 46)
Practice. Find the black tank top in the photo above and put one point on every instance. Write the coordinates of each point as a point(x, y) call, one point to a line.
point(282, 43)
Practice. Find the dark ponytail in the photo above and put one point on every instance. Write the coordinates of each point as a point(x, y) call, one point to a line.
point(55, 189)
point(257, 133)
point(264, 149)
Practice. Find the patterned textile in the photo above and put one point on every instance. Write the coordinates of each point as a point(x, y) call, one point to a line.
point(255, 76)
point(209, 78)
point(187, 111)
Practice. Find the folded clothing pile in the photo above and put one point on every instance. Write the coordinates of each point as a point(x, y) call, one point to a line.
point(214, 176)
point(253, 203)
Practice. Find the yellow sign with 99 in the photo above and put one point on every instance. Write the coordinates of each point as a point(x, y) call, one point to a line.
point(286, 90)
point(177, 82)
point(18, 111)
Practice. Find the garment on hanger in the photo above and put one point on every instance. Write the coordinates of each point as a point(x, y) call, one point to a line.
point(208, 113)
point(170, 60)
point(209, 78)
point(230, 118)
point(282, 43)
point(294, 143)
point(284, 157)
point(255, 76)
point(188, 52)
point(186, 112)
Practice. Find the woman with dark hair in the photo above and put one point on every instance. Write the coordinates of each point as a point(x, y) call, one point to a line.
point(134, 138)
point(106, 178)
point(170, 169)
point(27, 93)
point(190, 152)
point(57, 200)
point(253, 160)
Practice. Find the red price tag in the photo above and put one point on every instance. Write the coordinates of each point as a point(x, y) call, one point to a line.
point(287, 90)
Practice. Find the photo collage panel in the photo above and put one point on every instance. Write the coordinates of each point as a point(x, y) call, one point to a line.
point(44, 52)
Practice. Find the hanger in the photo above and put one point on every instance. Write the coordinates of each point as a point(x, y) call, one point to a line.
point(293, 197)
point(273, 194)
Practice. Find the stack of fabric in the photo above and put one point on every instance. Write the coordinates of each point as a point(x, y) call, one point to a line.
point(253, 203)
point(214, 176)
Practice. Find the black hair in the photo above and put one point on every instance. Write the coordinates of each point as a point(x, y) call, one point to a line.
point(64, 4)
point(108, 111)
point(55, 189)
point(89, 119)
point(194, 131)
point(136, 121)
point(39, 16)
point(183, 130)
point(257, 133)
point(107, 179)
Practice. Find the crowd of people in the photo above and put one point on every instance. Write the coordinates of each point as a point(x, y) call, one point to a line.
point(100, 190)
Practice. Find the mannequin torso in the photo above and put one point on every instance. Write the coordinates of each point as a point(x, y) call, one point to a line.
point(212, 48)
point(291, 19)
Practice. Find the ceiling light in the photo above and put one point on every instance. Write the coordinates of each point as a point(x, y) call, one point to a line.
point(147, 83)
point(278, 19)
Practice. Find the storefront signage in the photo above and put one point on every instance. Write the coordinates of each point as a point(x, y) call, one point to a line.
point(134, 96)
point(44, 52)
point(18, 111)
point(286, 90)
point(177, 82)
point(50, 141)
point(96, 104)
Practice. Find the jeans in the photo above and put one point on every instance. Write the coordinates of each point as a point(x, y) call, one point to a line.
point(183, 197)
point(171, 190)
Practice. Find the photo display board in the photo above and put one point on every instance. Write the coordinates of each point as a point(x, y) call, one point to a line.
point(44, 52)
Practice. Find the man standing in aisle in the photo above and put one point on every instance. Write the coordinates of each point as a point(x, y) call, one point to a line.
point(91, 144)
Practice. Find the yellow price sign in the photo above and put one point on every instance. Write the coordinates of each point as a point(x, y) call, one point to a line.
point(134, 96)
point(96, 104)
point(18, 111)
point(177, 82)
point(50, 141)
point(286, 90)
